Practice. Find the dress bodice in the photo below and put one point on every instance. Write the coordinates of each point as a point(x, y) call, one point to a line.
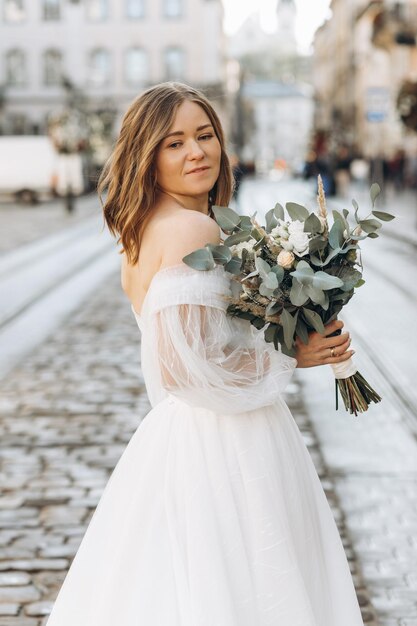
point(191, 347)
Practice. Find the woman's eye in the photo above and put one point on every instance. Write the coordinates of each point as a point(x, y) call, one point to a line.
point(208, 136)
point(175, 144)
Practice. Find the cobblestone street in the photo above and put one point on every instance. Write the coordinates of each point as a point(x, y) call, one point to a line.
point(66, 416)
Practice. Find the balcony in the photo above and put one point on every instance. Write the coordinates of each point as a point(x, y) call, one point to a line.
point(394, 23)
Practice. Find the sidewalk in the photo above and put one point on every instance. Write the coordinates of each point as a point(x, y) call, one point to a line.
point(66, 415)
point(22, 224)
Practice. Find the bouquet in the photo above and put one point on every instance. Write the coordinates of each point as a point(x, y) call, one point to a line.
point(295, 274)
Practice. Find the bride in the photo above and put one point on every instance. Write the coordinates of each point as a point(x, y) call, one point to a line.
point(214, 515)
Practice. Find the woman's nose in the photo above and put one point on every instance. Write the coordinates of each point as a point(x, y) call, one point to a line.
point(195, 151)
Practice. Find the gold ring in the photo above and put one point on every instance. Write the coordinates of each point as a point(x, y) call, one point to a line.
point(332, 352)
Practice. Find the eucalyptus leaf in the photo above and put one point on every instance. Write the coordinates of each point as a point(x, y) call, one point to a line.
point(298, 293)
point(345, 213)
point(271, 281)
point(373, 235)
point(270, 220)
point(383, 215)
point(316, 261)
point(347, 248)
point(288, 351)
point(357, 237)
point(279, 272)
point(347, 274)
point(360, 282)
point(356, 207)
point(336, 235)
point(259, 244)
point(279, 211)
point(265, 291)
point(270, 332)
point(262, 266)
point(315, 294)
point(201, 259)
point(238, 237)
point(338, 217)
point(312, 224)
point(297, 211)
point(317, 243)
point(288, 323)
point(221, 254)
point(245, 223)
point(256, 234)
point(226, 218)
point(304, 273)
point(258, 322)
point(374, 192)
point(314, 320)
point(369, 226)
point(273, 308)
point(324, 281)
point(301, 330)
point(278, 336)
point(233, 266)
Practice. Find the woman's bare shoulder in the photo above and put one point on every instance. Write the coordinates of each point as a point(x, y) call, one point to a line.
point(184, 232)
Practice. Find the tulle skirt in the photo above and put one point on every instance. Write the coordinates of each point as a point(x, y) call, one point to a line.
point(211, 520)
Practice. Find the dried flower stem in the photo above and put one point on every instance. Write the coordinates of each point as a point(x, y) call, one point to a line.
point(321, 198)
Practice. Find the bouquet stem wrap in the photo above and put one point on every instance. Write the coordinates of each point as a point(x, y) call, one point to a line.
point(356, 392)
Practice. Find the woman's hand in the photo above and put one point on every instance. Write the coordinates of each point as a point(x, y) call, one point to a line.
point(318, 351)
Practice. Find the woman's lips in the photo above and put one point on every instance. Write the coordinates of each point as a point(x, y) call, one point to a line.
point(200, 170)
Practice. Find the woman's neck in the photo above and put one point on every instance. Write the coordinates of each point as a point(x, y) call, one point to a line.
point(200, 204)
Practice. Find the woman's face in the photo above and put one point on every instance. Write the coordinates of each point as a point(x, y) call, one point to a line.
point(188, 158)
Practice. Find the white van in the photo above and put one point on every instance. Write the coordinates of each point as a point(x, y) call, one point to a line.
point(28, 167)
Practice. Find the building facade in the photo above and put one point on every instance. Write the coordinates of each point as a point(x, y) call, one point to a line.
point(274, 100)
point(282, 116)
point(109, 49)
point(362, 56)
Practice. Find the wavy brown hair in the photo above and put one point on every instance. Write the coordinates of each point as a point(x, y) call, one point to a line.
point(129, 176)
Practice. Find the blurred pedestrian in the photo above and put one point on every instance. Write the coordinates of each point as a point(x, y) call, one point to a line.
point(342, 171)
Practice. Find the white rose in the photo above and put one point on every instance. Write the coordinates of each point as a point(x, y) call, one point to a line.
point(280, 231)
point(298, 238)
point(286, 259)
point(244, 245)
point(287, 245)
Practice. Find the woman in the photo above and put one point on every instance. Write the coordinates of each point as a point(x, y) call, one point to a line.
point(214, 514)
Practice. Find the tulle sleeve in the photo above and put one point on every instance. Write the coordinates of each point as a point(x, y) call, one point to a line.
point(205, 357)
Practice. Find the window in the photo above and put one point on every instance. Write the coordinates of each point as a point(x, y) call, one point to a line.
point(15, 67)
point(135, 9)
point(14, 11)
point(97, 10)
point(16, 124)
point(51, 10)
point(136, 66)
point(99, 65)
point(173, 8)
point(174, 62)
point(52, 67)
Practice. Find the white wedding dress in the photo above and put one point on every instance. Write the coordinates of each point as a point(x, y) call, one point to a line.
point(214, 514)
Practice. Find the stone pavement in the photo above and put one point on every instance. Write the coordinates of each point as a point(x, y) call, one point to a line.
point(372, 459)
point(66, 415)
point(22, 224)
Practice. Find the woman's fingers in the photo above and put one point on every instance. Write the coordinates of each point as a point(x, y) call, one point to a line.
point(336, 350)
point(332, 326)
point(338, 359)
point(333, 342)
